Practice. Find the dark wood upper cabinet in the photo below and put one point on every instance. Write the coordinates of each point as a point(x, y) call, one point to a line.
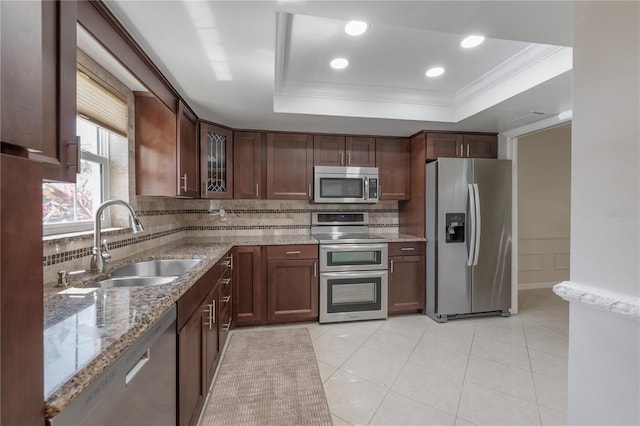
point(155, 147)
point(328, 150)
point(248, 173)
point(23, 29)
point(216, 161)
point(393, 157)
point(188, 164)
point(289, 166)
point(360, 151)
point(337, 150)
point(480, 146)
point(461, 145)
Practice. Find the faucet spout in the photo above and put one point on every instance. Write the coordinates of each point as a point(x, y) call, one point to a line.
point(99, 258)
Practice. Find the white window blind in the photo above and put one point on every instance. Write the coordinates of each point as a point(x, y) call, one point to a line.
point(98, 104)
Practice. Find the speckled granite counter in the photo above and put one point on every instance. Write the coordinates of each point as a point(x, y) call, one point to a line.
point(398, 238)
point(86, 329)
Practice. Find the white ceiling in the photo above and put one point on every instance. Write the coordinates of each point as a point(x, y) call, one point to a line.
point(264, 64)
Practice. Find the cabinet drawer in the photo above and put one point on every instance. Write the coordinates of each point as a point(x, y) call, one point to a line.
point(309, 251)
point(407, 249)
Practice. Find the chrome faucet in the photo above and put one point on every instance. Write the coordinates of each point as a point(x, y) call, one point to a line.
point(100, 257)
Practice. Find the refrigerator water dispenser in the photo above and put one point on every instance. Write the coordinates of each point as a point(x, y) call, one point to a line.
point(455, 227)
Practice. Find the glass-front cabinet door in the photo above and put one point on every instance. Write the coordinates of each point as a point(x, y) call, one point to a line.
point(216, 161)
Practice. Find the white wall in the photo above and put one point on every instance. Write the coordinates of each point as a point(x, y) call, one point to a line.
point(604, 348)
point(544, 207)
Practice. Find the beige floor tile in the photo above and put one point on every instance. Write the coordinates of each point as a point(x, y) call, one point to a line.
point(353, 399)
point(354, 332)
point(374, 367)
point(333, 350)
point(438, 390)
point(548, 341)
point(551, 417)
point(391, 344)
point(337, 421)
point(551, 392)
point(400, 410)
point(559, 326)
point(505, 353)
point(507, 330)
point(452, 364)
point(411, 326)
point(483, 406)
point(551, 365)
point(500, 377)
point(326, 370)
point(463, 422)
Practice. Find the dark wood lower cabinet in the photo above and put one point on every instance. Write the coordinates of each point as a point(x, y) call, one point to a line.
point(249, 293)
point(293, 290)
point(191, 369)
point(210, 327)
point(406, 278)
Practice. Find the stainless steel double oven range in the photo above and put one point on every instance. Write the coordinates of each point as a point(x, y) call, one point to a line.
point(353, 267)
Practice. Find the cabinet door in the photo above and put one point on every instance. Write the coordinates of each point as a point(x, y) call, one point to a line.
point(249, 293)
point(247, 166)
point(216, 161)
point(155, 147)
point(188, 180)
point(443, 145)
point(293, 290)
point(289, 166)
point(21, 75)
point(393, 158)
point(210, 308)
point(328, 150)
point(191, 369)
point(360, 152)
point(406, 284)
point(480, 146)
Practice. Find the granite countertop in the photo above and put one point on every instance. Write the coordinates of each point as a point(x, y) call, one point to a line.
point(86, 329)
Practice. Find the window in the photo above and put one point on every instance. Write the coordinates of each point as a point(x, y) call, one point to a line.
point(69, 207)
point(102, 125)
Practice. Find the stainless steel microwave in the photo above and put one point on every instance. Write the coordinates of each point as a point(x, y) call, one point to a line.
point(345, 184)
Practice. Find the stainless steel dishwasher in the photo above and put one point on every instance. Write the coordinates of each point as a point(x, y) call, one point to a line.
point(138, 389)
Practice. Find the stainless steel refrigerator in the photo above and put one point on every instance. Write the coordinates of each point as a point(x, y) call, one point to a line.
point(468, 214)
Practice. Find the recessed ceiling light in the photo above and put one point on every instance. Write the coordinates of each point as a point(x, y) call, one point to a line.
point(472, 41)
point(356, 28)
point(435, 71)
point(339, 63)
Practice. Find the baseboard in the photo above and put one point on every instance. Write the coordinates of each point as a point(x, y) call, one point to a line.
point(533, 286)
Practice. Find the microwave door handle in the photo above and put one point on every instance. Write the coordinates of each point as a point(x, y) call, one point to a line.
point(366, 188)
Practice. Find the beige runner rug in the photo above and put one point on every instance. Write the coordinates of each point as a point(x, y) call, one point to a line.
point(268, 377)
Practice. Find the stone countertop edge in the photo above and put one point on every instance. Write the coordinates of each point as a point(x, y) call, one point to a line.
point(398, 238)
point(210, 249)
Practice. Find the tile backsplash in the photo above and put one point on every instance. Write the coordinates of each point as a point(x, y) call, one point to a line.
point(169, 220)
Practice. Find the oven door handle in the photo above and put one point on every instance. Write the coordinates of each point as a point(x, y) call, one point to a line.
point(353, 247)
point(353, 274)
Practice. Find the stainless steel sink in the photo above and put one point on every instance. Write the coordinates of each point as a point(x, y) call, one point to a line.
point(132, 282)
point(156, 268)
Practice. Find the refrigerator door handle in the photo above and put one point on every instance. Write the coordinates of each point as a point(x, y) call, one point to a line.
point(472, 231)
point(478, 225)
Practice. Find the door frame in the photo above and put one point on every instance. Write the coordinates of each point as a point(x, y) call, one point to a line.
point(508, 148)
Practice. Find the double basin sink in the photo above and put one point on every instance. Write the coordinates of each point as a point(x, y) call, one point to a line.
point(147, 273)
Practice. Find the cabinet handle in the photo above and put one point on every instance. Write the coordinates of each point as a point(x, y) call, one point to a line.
point(226, 299)
point(467, 150)
point(407, 249)
point(227, 326)
point(209, 311)
point(226, 281)
point(231, 261)
point(293, 252)
point(460, 155)
point(391, 271)
point(348, 158)
point(309, 191)
point(315, 269)
point(184, 186)
point(342, 158)
point(213, 312)
point(257, 191)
